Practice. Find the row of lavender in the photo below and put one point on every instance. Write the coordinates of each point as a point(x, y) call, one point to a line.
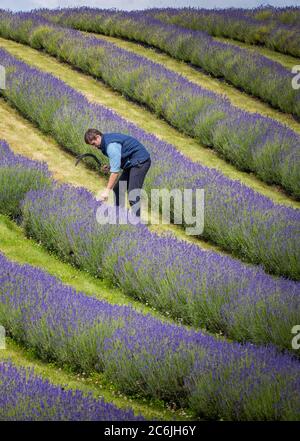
point(254, 73)
point(18, 175)
point(274, 28)
point(198, 287)
point(236, 217)
point(24, 396)
point(143, 355)
point(286, 15)
point(249, 140)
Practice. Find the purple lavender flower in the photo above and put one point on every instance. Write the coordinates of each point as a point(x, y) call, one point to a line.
point(226, 295)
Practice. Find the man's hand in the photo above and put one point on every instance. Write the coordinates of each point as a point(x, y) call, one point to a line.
point(110, 185)
point(105, 168)
point(104, 195)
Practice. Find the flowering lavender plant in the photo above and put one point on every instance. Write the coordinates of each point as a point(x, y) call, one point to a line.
point(18, 175)
point(226, 295)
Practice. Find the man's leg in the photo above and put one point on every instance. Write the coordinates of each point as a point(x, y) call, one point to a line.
point(136, 180)
point(122, 183)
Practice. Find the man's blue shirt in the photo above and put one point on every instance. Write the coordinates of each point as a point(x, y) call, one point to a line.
point(114, 155)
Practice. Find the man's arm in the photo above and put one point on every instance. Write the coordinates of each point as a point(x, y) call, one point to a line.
point(112, 181)
point(114, 154)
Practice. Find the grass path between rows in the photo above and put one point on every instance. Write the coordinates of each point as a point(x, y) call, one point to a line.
point(96, 91)
point(237, 97)
point(17, 247)
point(95, 383)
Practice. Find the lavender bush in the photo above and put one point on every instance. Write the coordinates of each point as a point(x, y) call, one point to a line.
point(237, 218)
point(286, 15)
point(276, 28)
point(18, 175)
point(25, 396)
point(144, 355)
point(198, 287)
point(259, 144)
point(254, 73)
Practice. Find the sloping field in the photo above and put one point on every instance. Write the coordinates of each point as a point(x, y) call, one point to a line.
point(158, 323)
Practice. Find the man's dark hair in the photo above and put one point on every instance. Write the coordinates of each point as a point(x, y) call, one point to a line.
point(91, 134)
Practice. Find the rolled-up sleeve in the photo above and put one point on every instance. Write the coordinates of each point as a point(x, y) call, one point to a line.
point(114, 155)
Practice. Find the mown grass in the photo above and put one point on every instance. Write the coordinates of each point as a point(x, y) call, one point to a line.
point(17, 247)
point(98, 92)
point(95, 383)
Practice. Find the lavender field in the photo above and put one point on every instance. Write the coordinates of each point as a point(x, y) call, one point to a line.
point(107, 317)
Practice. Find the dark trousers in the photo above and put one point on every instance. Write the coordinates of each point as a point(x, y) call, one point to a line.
point(134, 177)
